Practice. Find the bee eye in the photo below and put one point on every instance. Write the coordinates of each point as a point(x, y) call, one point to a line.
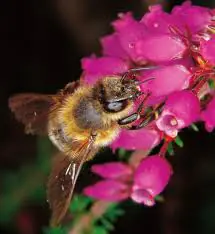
point(115, 106)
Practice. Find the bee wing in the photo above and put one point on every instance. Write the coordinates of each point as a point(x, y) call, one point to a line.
point(63, 178)
point(32, 110)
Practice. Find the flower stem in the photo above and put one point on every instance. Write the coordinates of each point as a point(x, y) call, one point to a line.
point(85, 221)
point(164, 147)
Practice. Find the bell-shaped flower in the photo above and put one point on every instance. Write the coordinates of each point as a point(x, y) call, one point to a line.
point(135, 140)
point(208, 115)
point(111, 47)
point(156, 20)
point(181, 109)
point(112, 170)
point(207, 50)
point(166, 80)
point(150, 179)
point(195, 18)
point(130, 32)
point(108, 190)
point(141, 184)
point(96, 68)
point(159, 48)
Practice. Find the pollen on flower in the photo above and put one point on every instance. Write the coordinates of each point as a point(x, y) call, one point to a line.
point(173, 121)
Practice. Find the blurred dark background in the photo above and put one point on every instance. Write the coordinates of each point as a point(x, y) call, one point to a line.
point(42, 43)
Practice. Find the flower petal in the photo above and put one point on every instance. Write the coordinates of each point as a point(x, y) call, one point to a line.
point(142, 196)
point(111, 47)
point(96, 68)
point(152, 175)
point(160, 48)
point(181, 109)
point(133, 140)
point(208, 115)
point(207, 50)
point(167, 79)
point(112, 170)
point(194, 17)
point(159, 21)
point(108, 190)
point(129, 32)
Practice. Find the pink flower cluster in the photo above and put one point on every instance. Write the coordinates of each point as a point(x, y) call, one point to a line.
point(121, 181)
point(179, 47)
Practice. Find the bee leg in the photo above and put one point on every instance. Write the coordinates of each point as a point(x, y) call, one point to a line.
point(142, 124)
point(146, 118)
point(133, 117)
point(129, 119)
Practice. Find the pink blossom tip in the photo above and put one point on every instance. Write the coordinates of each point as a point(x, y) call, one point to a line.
point(112, 170)
point(108, 190)
point(181, 109)
point(151, 177)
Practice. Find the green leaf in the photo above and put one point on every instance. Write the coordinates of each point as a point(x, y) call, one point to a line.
point(123, 154)
point(44, 150)
point(57, 230)
point(20, 188)
point(211, 84)
point(79, 203)
point(159, 198)
point(39, 194)
point(113, 212)
point(179, 141)
point(98, 230)
point(107, 224)
point(170, 149)
point(194, 127)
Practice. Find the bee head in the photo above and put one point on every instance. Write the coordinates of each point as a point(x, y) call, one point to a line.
point(116, 93)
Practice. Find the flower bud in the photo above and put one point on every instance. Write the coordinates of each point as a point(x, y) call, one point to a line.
point(108, 190)
point(112, 170)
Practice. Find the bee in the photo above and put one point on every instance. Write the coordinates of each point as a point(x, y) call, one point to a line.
point(79, 120)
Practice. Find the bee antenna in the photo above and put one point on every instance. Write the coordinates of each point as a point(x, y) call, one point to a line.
point(139, 82)
point(132, 70)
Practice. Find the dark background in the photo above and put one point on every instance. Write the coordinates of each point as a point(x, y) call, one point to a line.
point(42, 43)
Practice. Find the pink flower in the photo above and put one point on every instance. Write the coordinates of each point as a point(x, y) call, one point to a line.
point(129, 32)
point(167, 79)
point(112, 170)
point(133, 140)
point(179, 46)
point(113, 187)
point(208, 115)
point(111, 47)
point(207, 49)
point(196, 18)
point(96, 68)
point(160, 48)
point(150, 179)
point(156, 20)
point(181, 109)
point(108, 190)
point(143, 184)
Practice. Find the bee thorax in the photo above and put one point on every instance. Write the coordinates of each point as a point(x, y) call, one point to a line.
point(87, 116)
